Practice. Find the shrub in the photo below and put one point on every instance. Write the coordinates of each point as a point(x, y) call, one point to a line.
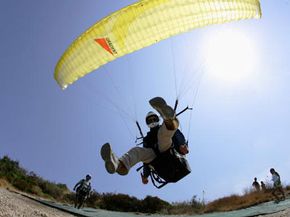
point(153, 204)
point(94, 200)
point(28, 181)
point(120, 202)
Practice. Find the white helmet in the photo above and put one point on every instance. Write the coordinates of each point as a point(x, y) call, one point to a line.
point(152, 119)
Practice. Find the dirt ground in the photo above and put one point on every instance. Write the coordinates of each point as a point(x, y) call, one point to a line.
point(14, 205)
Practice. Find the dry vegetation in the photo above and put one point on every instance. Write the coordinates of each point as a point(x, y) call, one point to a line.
point(4, 183)
point(229, 203)
point(235, 202)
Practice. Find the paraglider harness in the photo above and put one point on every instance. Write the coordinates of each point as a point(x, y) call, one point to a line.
point(167, 167)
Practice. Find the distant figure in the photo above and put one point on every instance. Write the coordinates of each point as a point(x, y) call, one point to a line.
point(263, 186)
point(277, 186)
point(256, 184)
point(83, 189)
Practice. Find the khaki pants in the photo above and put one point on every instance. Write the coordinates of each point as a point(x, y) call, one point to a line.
point(146, 155)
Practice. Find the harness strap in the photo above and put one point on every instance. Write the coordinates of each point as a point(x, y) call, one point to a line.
point(154, 178)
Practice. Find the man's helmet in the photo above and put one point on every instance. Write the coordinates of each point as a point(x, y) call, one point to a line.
point(88, 176)
point(152, 119)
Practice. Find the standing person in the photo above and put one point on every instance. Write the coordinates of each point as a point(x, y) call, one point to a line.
point(156, 150)
point(256, 184)
point(83, 189)
point(263, 186)
point(277, 186)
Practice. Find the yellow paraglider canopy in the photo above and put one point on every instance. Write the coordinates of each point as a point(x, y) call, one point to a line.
point(142, 24)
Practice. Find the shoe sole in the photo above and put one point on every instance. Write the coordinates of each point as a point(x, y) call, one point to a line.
point(163, 109)
point(157, 101)
point(106, 153)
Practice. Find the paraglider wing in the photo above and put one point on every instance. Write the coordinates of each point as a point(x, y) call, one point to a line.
point(142, 24)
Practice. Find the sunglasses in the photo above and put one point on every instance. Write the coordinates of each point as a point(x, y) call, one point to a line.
point(152, 119)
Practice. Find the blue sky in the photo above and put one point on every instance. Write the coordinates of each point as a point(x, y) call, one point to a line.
point(238, 129)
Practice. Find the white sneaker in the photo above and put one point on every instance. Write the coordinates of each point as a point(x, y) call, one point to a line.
point(111, 160)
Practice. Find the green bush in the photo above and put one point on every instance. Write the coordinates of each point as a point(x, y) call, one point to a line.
point(153, 204)
point(10, 170)
point(120, 202)
point(94, 200)
point(29, 182)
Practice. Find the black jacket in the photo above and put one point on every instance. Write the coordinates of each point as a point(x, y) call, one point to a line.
point(151, 141)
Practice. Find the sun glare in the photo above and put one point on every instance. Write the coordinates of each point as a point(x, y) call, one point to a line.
point(230, 56)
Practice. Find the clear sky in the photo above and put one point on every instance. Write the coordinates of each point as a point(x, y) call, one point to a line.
point(238, 129)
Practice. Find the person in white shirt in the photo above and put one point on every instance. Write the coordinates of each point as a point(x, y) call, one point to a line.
point(277, 186)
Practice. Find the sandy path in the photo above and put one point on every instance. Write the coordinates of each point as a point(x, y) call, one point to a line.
point(14, 205)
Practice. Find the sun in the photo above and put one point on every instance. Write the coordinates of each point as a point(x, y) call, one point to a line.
point(230, 56)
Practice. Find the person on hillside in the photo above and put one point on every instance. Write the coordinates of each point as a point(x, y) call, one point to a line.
point(157, 146)
point(256, 184)
point(83, 189)
point(277, 186)
point(263, 186)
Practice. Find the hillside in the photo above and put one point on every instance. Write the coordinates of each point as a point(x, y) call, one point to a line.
point(13, 176)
